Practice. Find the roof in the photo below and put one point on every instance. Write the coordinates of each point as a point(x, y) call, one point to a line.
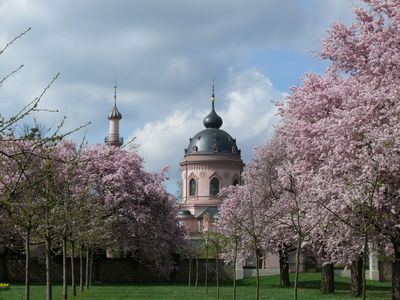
point(212, 141)
point(115, 114)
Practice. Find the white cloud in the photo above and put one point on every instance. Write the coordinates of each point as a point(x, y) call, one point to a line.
point(247, 112)
point(250, 111)
point(163, 54)
point(161, 142)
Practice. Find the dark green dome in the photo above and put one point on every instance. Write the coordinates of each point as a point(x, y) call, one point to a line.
point(210, 141)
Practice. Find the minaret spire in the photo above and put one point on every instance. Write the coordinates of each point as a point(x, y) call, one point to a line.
point(115, 93)
point(212, 120)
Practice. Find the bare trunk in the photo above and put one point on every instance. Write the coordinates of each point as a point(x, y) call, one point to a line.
point(81, 269)
point(364, 267)
point(217, 273)
point(190, 272)
point(197, 272)
point(284, 268)
point(64, 259)
point(87, 268)
point(234, 269)
point(296, 281)
point(396, 270)
point(91, 268)
point(27, 263)
point(49, 294)
point(356, 277)
point(206, 271)
point(327, 279)
point(257, 271)
point(73, 268)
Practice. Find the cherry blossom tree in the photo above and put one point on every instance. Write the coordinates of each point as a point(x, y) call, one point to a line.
point(263, 173)
point(346, 128)
point(368, 51)
point(146, 223)
point(228, 225)
point(248, 212)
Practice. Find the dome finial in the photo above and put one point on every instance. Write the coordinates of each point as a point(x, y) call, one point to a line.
point(212, 120)
point(213, 93)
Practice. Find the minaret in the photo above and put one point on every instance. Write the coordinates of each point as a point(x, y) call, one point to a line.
point(113, 124)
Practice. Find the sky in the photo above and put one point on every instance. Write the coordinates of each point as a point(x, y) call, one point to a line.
point(163, 56)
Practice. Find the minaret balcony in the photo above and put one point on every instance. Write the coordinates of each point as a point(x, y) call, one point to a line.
point(109, 140)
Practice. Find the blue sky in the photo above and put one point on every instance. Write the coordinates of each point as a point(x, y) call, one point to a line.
point(163, 55)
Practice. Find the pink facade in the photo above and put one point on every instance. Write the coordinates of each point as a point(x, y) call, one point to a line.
point(203, 168)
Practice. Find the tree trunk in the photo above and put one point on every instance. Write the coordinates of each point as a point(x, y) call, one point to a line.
point(234, 270)
point(206, 270)
point(364, 267)
point(64, 261)
point(396, 270)
point(87, 268)
point(91, 268)
point(296, 281)
point(284, 268)
point(327, 279)
point(81, 269)
point(197, 271)
point(217, 273)
point(73, 268)
point(49, 294)
point(356, 277)
point(257, 271)
point(190, 272)
point(27, 263)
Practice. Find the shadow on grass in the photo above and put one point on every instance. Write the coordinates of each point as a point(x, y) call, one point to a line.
point(341, 284)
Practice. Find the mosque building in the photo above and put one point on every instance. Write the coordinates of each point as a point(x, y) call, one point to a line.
point(211, 162)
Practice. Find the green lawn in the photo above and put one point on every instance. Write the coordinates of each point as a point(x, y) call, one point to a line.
point(309, 290)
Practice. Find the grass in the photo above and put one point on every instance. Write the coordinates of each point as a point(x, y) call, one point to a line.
point(309, 290)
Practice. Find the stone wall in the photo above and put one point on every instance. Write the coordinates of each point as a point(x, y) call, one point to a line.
point(120, 270)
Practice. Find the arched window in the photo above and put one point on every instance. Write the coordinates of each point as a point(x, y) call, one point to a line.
point(214, 186)
point(235, 182)
point(192, 187)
